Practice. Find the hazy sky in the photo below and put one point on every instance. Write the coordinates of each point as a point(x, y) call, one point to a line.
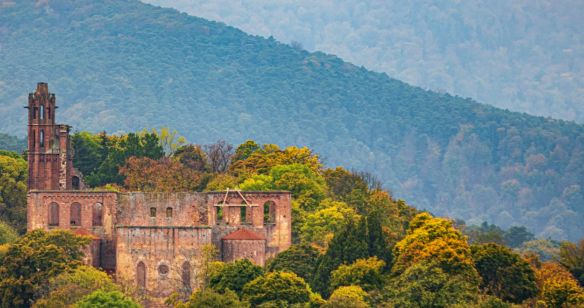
point(523, 55)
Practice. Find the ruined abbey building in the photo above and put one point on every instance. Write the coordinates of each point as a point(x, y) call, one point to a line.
point(152, 240)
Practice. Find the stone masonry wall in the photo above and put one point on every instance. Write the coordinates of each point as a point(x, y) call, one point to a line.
point(163, 252)
point(39, 207)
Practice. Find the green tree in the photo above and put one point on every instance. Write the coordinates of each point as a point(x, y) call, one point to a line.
point(307, 187)
point(299, 259)
point(209, 298)
point(90, 151)
point(258, 182)
point(13, 181)
point(485, 233)
point(342, 182)
point(222, 181)
point(277, 286)
point(106, 299)
point(193, 157)
point(69, 287)
point(504, 274)
point(516, 236)
point(426, 284)
point(365, 273)
point(348, 297)
point(117, 149)
point(168, 140)
point(31, 261)
point(318, 227)
point(571, 256)
point(434, 239)
point(245, 150)
point(347, 246)
point(7, 234)
point(234, 276)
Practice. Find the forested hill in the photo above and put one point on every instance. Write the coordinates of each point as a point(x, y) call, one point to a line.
point(124, 65)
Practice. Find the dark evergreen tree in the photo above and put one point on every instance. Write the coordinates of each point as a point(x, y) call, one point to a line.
point(376, 240)
point(347, 246)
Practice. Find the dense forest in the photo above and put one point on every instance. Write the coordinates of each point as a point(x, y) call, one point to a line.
point(354, 245)
point(120, 66)
point(522, 55)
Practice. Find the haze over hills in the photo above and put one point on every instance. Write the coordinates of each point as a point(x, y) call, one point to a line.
point(125, 65)
point(523, 55)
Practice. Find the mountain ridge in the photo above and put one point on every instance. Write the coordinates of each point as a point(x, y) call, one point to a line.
point(125, 65)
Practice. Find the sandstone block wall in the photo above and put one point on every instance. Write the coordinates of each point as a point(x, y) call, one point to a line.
point(164, 253)
point(162, 209)
point(253, 250)
point(277, 231)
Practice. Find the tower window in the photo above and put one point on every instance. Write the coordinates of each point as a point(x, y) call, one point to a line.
point(34, 112)
point(42, 112)
point(42, 138)
point(48, 112)
point(33, 139)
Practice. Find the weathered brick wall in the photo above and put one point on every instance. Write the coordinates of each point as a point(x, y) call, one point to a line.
point(156, 247)
point(188, 209)
point(278, 233)
point(253, 250)
point(38, 211)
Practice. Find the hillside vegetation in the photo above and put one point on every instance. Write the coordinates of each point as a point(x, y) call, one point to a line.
point(523, 55)
point(353, 244)
point(124, 65)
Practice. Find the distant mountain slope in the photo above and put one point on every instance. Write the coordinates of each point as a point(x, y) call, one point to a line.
point(523, 55)
point(12, 143)
point(124, 65)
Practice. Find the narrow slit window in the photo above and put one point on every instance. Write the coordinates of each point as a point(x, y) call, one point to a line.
point(42, 112)
point(242, 214)
point(48, 112)
point(42, 138)
point(219, 214)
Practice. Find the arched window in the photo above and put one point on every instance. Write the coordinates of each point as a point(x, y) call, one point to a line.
point(42, 112)
point(75, 182)
point(269, 212)
point(141, 276)
point(53, 214)
point(42, 138)
point(75, 216)
point(152, 212)
point(243, 214)
point(168, 212)
point(186, 277)
point(97, 214)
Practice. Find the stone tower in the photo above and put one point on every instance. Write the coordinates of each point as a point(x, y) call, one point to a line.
point(49, 150)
